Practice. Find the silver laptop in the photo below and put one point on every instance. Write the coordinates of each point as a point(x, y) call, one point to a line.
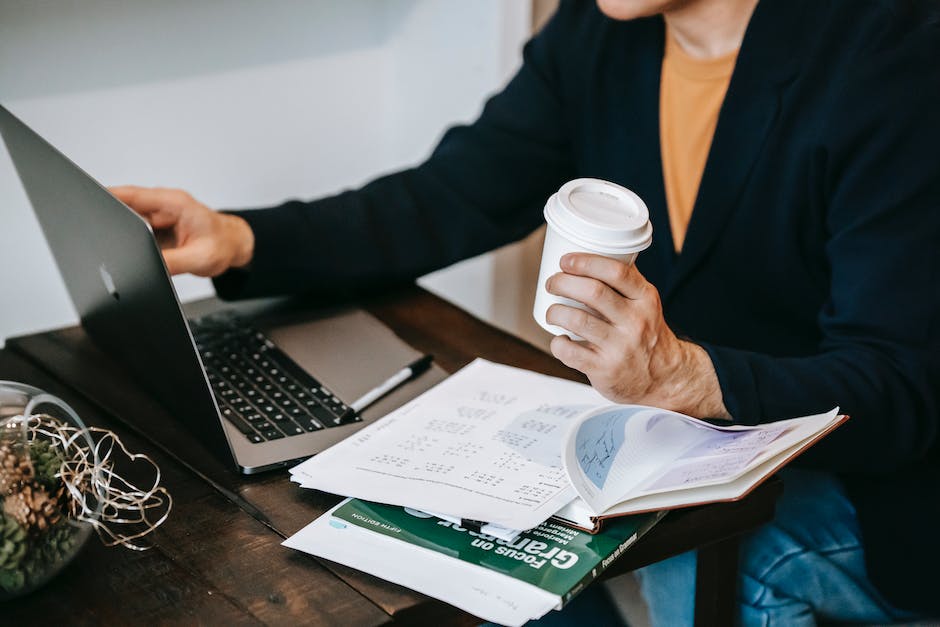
point(226, 381)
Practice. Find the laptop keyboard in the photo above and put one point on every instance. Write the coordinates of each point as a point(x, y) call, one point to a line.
point(261, 390)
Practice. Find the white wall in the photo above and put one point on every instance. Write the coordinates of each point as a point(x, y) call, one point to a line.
point(242, 103)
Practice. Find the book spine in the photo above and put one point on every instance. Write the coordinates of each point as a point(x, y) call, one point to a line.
point(610, 559)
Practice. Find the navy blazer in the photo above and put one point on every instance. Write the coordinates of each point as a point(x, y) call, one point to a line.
point(810, 269)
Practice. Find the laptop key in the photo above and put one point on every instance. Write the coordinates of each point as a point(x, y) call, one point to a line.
point(348, 417)
point(237, 420)
point(322, 414)
point(309, 424)
point(272, 434)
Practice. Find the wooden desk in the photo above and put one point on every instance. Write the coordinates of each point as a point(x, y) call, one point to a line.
point(215, 563)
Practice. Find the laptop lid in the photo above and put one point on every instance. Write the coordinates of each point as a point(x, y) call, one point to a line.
point(115, 276)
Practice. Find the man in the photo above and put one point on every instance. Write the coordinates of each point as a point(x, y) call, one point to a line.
point(787, 150)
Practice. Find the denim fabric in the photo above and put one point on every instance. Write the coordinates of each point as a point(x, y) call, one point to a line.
point(591, 608)
point(807, 564)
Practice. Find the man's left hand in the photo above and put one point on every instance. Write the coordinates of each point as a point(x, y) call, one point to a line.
point(629, 353)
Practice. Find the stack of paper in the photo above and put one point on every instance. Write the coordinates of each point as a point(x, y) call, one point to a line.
point(506, 582)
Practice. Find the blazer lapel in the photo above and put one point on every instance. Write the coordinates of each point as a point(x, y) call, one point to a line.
point(629, 87)
point(765, 66)
point(646, 167)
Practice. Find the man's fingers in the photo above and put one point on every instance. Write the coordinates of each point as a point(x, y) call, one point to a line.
point(196, 257)
point(161, 219)
point(573, 354)
point(148, 200)
point(130, 195)
point(178, 260)
point(590, 291)
point(579, 322)
point(624, 278)
point(124, 193)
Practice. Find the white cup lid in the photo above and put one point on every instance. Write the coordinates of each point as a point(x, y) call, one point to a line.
point(602, 215)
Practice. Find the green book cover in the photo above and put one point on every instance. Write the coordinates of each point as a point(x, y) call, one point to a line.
point(552, 556)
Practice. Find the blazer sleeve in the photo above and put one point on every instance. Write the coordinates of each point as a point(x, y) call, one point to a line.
point(878, 358)
point(484, 185)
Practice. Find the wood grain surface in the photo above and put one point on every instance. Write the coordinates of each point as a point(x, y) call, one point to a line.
point(213, 561)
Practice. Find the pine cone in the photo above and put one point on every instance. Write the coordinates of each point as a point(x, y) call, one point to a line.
point(13, 545)
point(33, 507)
point(15, 469)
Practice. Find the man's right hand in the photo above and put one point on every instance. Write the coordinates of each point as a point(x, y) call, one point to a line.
point(193, 237)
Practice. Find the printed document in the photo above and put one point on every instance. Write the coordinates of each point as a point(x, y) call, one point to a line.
point(485, 445)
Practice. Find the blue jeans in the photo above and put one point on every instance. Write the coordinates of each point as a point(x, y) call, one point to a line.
point(807, 563)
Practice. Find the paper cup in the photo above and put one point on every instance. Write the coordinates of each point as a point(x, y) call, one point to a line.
point(591, 216)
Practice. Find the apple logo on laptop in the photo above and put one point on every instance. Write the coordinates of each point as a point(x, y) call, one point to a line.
point(108, 282)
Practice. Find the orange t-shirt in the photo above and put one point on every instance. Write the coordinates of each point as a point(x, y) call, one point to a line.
point(690, 95)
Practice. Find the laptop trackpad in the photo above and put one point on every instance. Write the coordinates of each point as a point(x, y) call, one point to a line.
point(351, 352)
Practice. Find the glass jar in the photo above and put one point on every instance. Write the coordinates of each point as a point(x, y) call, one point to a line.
point(42, 524)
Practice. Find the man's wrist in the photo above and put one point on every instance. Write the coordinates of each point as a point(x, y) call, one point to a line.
point(242, 239)
point(698, 390)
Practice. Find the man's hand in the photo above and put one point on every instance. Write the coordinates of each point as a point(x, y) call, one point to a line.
point(193, 237)
point(630, 354)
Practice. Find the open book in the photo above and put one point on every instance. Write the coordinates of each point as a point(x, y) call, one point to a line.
point(629, 459)
point(501, 445)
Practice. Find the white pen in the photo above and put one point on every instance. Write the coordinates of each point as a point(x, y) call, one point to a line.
point(407, 373)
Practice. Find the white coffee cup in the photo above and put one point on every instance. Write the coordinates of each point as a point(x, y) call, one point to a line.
point(591, 216)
